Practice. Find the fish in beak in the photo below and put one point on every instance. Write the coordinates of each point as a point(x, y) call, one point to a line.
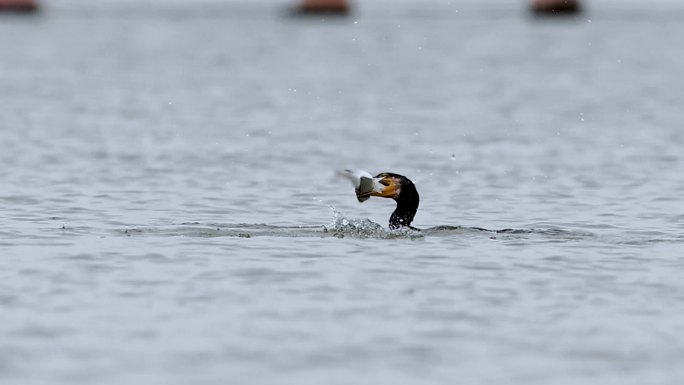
point(366, 185)
point(385, 186)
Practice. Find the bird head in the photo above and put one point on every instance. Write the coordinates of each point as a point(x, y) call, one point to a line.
point(387, 185)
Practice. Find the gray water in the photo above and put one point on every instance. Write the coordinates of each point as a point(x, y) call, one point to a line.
point(171, 214)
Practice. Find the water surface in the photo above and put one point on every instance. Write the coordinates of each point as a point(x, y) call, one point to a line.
point(171, 213)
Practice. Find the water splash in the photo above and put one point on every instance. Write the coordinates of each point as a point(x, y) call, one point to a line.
point(341, 227)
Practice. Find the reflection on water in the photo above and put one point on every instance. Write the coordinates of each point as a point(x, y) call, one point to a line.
point(167, 183)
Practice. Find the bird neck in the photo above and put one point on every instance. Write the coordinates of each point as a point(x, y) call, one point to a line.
point(407, 205)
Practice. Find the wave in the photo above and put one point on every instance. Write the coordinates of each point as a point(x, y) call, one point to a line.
point(343, 227)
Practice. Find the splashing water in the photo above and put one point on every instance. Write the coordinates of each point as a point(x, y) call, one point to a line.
point(341, 227)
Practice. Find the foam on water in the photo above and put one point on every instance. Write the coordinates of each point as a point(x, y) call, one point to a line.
point(341, 227)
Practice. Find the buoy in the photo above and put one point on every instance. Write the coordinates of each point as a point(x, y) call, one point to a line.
point(18, 6)
point(334, 7)
point(555, 7)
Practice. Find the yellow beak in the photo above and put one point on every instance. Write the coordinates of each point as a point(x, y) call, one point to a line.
point(386, 187)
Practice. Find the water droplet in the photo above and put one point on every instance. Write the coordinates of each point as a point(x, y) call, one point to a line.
point(453, 156)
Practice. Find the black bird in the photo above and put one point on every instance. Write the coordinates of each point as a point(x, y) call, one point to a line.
point(403, 191)
point(388, 185)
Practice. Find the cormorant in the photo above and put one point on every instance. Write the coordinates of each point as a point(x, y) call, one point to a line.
point(388, 185)
point(403, 191)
